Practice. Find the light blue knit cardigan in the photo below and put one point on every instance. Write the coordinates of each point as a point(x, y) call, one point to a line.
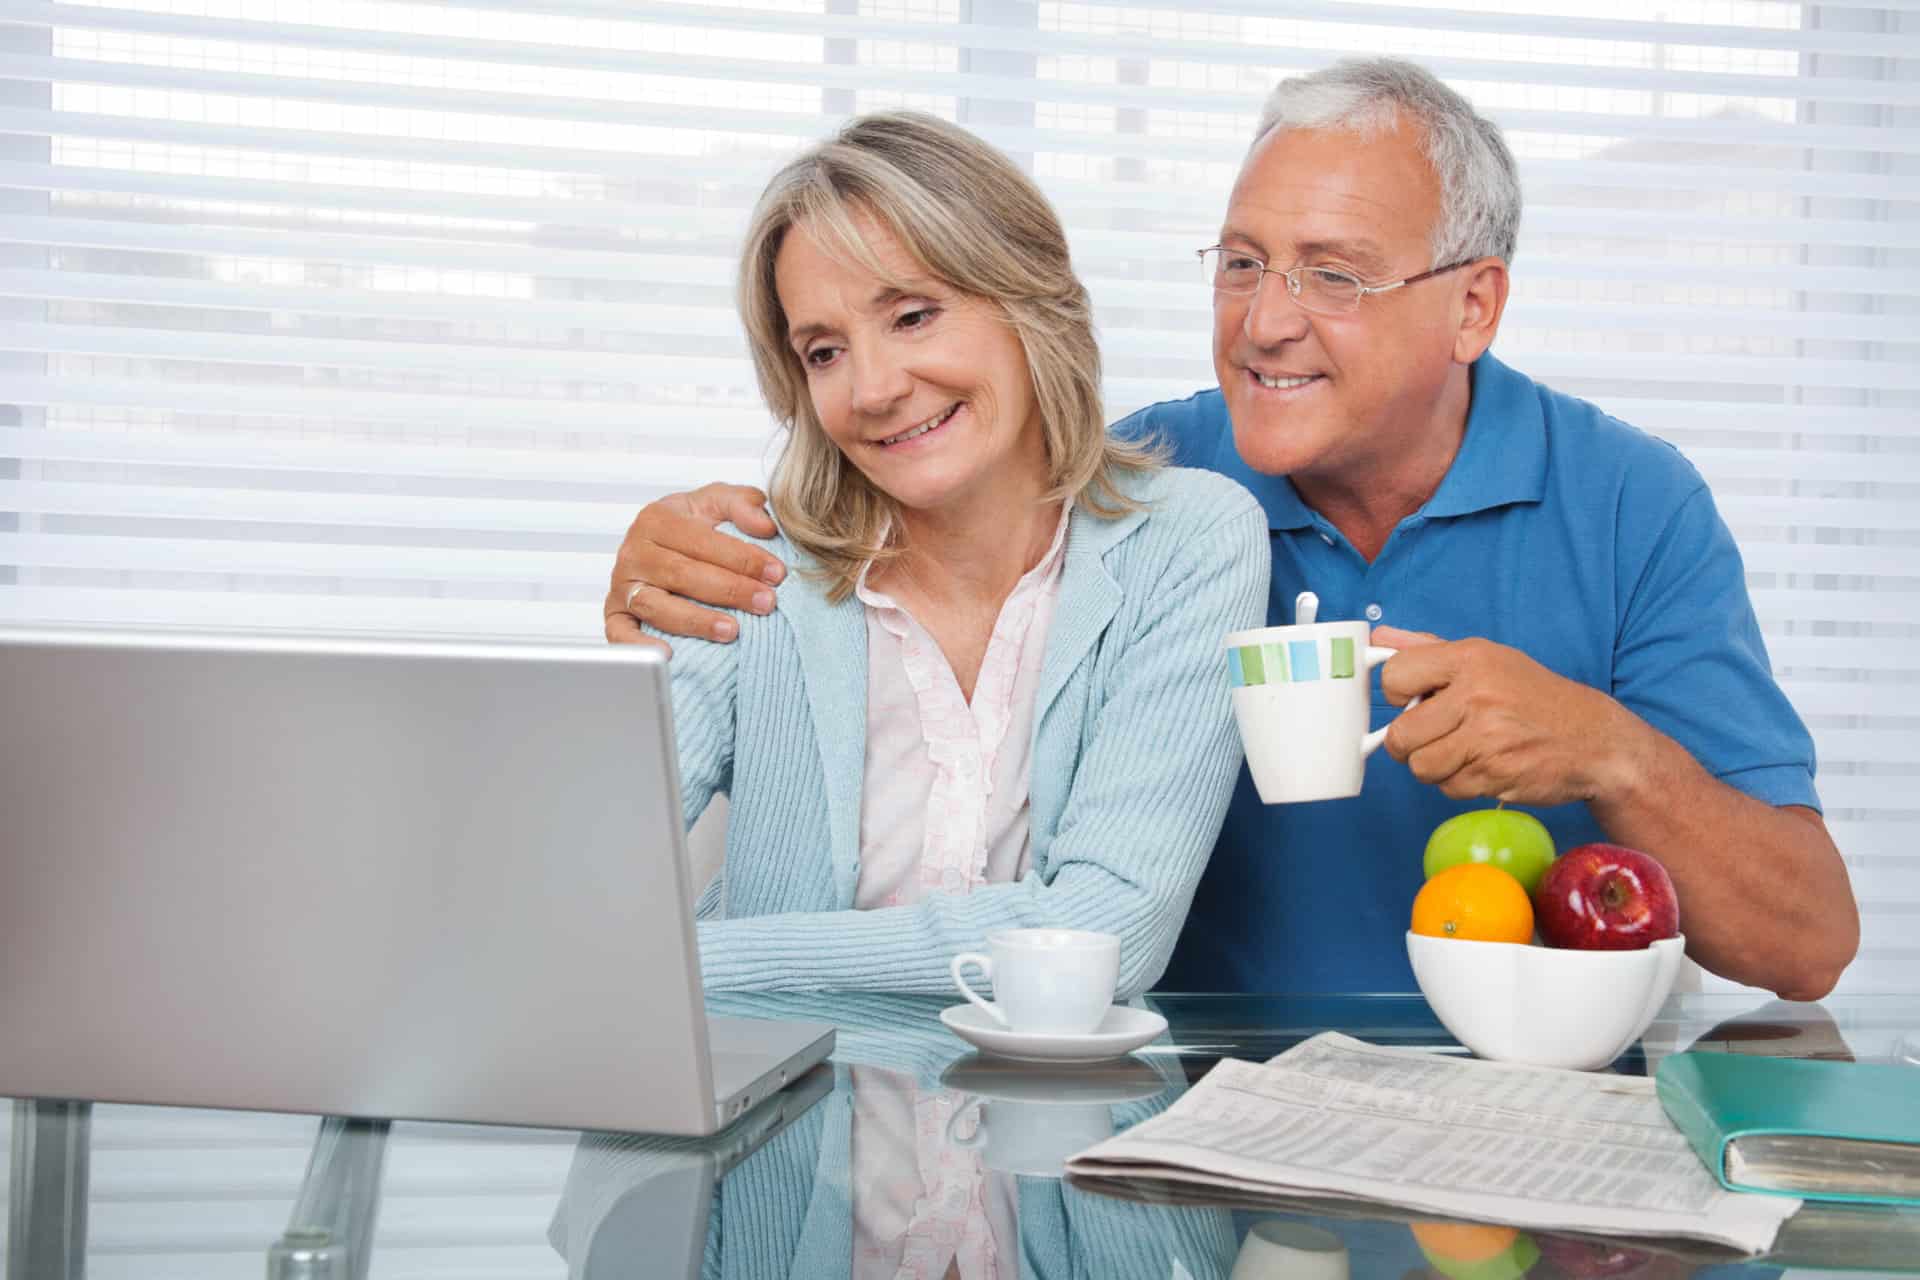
point(1134, 758)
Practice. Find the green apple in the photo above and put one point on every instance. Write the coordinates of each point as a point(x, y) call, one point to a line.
point(1515, 842)
point(1511, 1263)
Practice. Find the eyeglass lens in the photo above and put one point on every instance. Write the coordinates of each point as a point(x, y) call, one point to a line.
point(1317, 289)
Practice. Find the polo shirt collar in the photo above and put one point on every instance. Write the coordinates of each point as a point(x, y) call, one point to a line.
point(1502, 460)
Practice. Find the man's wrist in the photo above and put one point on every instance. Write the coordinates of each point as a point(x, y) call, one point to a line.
point(1636, 765)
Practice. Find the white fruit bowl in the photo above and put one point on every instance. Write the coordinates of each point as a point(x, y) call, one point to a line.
point(1542, 1005)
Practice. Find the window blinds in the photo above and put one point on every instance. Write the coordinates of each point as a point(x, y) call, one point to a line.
point(388, 316)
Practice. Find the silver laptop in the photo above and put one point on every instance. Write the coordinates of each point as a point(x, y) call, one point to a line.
point(638, 1206)
point(438, 881)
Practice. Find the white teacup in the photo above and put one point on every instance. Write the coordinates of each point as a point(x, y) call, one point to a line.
point(1032, 1138)
point(1276, 1248)
point(1045, 981)
point(1301, 699)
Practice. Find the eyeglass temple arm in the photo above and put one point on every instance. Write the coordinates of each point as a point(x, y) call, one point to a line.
point(1425, 275)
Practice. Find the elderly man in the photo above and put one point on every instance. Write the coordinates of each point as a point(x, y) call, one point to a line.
point(1570, 607)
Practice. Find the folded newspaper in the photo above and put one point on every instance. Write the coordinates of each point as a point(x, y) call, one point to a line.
point(1460, 1138)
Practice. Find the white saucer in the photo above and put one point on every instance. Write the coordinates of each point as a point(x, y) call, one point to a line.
point(991, 1076)
point(1121, 1031)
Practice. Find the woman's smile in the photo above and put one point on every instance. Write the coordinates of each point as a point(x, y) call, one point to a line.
point(922, 430)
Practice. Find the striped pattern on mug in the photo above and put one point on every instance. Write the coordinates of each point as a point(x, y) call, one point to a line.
point(1291, 661)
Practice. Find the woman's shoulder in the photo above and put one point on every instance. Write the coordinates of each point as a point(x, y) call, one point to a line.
point(1189, 500)
point(1197, 519)
point(777, 545)
point(756, 630)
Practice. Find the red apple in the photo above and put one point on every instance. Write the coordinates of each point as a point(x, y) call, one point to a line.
point(1603, 897)
point(1591, 1259)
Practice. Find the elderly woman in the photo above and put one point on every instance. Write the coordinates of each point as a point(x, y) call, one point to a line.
point(994, 698)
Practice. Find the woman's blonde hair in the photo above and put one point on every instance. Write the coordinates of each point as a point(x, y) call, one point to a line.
point(967, 215)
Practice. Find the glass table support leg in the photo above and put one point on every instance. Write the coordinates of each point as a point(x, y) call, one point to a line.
point(47, 1203)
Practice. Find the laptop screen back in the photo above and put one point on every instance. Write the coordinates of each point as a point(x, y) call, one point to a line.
point(434, 881)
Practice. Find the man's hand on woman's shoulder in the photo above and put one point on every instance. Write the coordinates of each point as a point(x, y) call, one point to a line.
point(674, 559)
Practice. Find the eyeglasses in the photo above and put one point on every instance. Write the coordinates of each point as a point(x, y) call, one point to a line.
point(1320, 289)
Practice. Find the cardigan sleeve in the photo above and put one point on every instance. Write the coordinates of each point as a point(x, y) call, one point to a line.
point(703, 675)
point(1146, 804)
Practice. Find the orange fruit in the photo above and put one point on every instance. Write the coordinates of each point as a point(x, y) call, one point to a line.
point(1463, 1241)
point(1474, 900)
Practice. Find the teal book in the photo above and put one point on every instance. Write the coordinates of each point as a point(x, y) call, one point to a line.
point(1802, 1127)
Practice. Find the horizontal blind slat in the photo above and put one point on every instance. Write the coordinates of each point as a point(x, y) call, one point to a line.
point(557, 261)
point(1671, 416)
point(1809, 512)
point(446, 359)
point(1849, 605)
point(1867, 746)
point(457, 460)
point(1798, 39)
point(285, 506)
point(1518, 21)
point(1808, 653)
point(1884, 879)
point(531, 417)
point(981, 35)
point(1893, 795)
point(306, 612)
point(161, 291)
point(324, 559)
point(1721, 465)
point(1886, 699)
point(1836, 559)
point(474, 102)
point(68, 69)
point(496, 207)
point(1890, 840)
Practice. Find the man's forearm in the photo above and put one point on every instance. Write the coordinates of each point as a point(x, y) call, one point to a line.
point(1764, 895)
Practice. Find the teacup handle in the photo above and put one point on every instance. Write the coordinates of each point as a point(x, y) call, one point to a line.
point(1375, 655)
point(979, 1134)
point(983, 963)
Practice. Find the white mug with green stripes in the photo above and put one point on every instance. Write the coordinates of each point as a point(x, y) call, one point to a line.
point(1300, 697)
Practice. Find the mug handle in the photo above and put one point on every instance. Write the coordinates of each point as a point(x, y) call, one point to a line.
point(979, 1134)
point(1375, 655)
point(985, 965)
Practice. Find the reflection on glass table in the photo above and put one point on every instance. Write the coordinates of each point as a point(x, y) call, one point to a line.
point(910, 1154)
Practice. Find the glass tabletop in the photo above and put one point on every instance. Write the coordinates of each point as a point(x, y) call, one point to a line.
point(908, 1154)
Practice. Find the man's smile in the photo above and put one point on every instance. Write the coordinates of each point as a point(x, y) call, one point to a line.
point(1284, 381)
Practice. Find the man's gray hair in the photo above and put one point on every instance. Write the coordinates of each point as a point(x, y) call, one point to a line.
point(1479, 182)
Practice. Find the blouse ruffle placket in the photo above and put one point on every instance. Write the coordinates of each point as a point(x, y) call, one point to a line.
point(963, 742)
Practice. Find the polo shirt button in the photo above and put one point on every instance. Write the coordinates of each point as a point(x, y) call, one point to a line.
point(1327, 538)
point(1373, 613)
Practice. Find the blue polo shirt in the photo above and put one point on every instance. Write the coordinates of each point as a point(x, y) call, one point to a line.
point(1567, 534)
